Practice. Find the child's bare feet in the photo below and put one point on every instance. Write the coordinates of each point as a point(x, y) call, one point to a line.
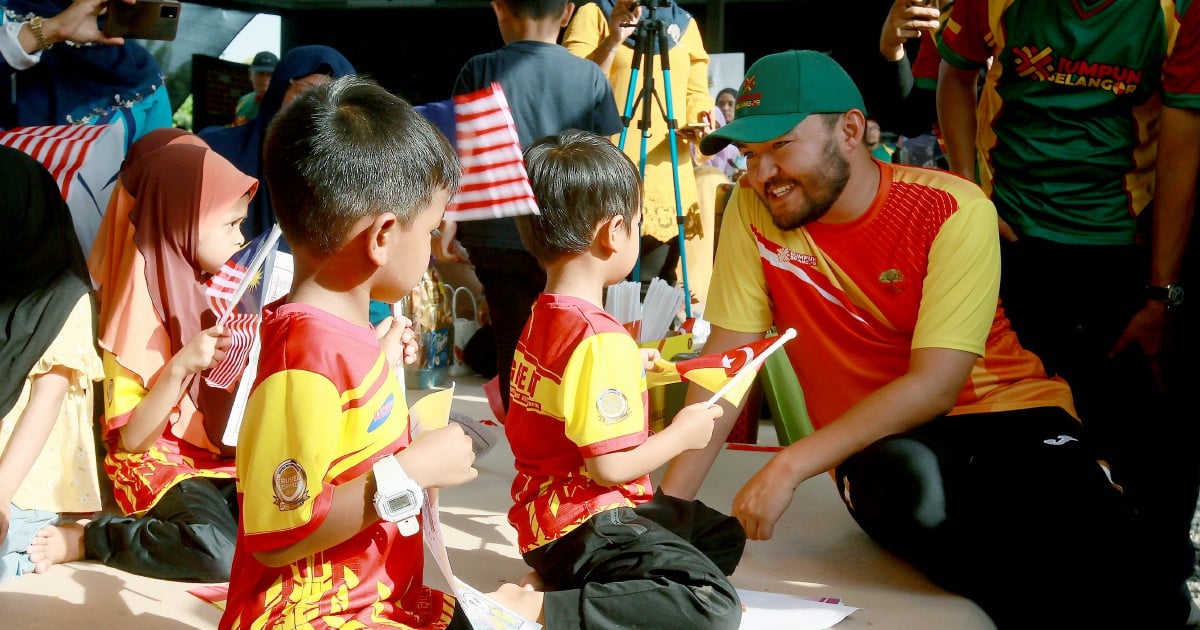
point(55, 544)
point(533, 579)
point(522, 599)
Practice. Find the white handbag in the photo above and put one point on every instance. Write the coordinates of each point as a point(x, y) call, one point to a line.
point(464, 329)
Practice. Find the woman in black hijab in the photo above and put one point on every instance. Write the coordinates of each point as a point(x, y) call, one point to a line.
point(47, 362)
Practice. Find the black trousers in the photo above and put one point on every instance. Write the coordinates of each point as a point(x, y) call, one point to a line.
point(512, 281)
point(624, 569)
point(1013, 510)
point(1069, 304)
point(189, 535)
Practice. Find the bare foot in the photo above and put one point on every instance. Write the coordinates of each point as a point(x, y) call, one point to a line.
point(533, 579)
point(55, 544)
point(523, 600)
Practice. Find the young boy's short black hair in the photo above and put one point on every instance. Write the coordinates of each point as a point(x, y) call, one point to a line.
point(350, 149)
point(536, 9)
point(579, 179)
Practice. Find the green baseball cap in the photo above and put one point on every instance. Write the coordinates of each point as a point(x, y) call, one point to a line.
point(779, 91)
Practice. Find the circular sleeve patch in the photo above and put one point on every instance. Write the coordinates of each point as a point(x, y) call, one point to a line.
point(612, 406)
point(291, 485)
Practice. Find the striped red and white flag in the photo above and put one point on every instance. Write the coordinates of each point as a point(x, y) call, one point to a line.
point(84, 161)
point(236, 295)
point(494, 182)
point(61, 148)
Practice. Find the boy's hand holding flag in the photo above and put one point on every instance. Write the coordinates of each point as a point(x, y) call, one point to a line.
point(727, 374)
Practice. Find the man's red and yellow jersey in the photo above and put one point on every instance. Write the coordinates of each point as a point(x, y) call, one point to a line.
point(1067, 119)
point(325, 406)
point(578, 391)
point(919, 269)
point(141, 478)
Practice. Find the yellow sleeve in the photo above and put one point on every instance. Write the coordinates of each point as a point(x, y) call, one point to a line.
point(585, 31)
point(962, 284)
point(698, 99)
point(602, 388)
point(123, 392)
point(286, 447)
point(737, 296)
point(74, 348)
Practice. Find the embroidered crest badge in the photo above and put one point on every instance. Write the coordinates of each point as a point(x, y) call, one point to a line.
point(612, 406)
point(291, 485)
point(892, 279)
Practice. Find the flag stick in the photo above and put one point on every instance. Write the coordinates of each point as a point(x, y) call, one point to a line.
point(751, 368)
point(251, 269)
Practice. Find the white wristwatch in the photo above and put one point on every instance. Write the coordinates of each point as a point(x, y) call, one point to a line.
point(398, 499)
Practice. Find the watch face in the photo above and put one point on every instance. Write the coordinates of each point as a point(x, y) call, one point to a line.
point(400, 502)
point(1174, 295)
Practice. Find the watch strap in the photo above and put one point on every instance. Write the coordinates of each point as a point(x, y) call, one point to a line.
point(1170, 295)
point(389, 474)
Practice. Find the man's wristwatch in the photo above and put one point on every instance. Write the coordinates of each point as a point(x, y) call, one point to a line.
point(398, 499)
point(1170, 295)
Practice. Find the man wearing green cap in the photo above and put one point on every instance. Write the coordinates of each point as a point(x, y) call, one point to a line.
point(949, 444)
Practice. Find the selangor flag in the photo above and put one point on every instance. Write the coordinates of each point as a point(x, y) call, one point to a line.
point(241, 314)
point(480, 127)
point(711, 371)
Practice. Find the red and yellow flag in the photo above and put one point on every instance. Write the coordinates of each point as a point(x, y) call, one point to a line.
point(711, 371)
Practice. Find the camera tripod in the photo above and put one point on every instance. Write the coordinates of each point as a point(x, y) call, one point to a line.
point(650, 38)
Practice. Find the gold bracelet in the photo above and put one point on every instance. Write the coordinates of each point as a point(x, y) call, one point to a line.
point(35, 25)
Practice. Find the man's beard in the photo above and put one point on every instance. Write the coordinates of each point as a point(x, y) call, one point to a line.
point(818, 199)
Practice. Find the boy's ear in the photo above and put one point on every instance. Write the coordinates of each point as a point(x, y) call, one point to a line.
point(379, 235)
point(568, 11)
point(609, 233)
point(501, 10)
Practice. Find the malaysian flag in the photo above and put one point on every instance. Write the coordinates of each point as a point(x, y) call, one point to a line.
point(494, 182)
point(236, 297)
point(84, 160)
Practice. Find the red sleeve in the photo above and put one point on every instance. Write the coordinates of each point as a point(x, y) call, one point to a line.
point(1181, 72)
point(963, 41)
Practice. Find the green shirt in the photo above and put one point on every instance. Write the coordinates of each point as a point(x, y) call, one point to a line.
point(1067, 119)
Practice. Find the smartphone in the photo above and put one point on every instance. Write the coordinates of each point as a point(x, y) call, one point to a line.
point(145, 19)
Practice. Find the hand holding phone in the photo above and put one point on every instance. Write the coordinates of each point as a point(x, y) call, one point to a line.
point(144, 19)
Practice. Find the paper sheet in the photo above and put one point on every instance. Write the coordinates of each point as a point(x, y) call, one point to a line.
point(776, 611)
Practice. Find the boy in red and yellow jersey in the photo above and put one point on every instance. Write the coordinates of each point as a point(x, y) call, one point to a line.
point(585, 518)
point(361, 181)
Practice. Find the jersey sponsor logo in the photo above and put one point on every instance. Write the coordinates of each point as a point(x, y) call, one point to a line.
point(381, 416)
point(291, 485)
point(612, 406)
point(1041, 64)
point(785, 255)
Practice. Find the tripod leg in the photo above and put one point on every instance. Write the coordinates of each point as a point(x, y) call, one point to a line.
point(672, 127)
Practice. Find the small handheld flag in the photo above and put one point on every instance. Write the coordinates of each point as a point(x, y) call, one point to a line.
point(722, 372)
point(236, 295)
